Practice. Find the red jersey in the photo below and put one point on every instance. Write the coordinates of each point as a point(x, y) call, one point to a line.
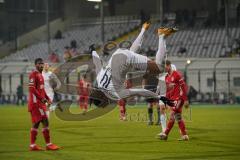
point(36, 90)
point(83, 88)
point(176, 86)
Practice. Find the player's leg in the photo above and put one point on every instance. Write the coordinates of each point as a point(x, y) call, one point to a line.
point(138, 42)
point(122, 108)
point(85, 105)
point(163, 117)
point(81, 102)
point(46, 135)
point(179, 119)
point(150, 113)
point(158, 122)
point(164, 135)
point(126, 93)
point(155, 67)
point(33, 137)
point(51, 108)
point(36, 118)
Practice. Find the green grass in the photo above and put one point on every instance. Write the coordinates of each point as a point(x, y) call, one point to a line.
point(214, 134)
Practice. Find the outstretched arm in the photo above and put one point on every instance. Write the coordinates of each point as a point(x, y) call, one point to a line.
point(96, 61)
point(138, 42)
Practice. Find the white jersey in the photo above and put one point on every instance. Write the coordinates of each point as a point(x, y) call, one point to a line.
point(49, 76)
point(48, 88)
point(111, 78)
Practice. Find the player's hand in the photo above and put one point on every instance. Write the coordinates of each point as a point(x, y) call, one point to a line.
point(146, 25)
point(186, 104)
point(92, 48)
point(48, 103)
point(44, 100)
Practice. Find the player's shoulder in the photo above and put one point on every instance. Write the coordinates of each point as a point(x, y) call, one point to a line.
point(177, 73)
point(33, 73)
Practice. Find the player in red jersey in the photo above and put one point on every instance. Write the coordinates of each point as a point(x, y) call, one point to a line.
point(37, 106)
point(122, 102)
point(177, 92)
point(83, 91)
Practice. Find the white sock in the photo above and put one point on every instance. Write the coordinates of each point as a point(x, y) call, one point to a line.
point(48, 114)
point(48, 144)
point(138, 42)
point(32, 145)
point(163, 122)
point(53, 107)
point(161, 50)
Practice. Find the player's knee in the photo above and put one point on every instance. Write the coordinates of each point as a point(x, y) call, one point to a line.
point(178, 116)
point(45, 123)
point(150, 110)
point(150, 105)
point(35, 125)
point(172, 117)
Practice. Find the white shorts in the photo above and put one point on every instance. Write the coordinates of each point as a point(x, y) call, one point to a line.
point(50, 95)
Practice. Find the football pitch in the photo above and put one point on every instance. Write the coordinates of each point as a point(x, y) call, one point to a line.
point(214, 132)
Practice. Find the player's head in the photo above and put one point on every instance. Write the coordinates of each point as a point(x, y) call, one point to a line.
point(46, 67)
point(125, 44)
point(39, 64)
point(168, 67)
point(109, 48)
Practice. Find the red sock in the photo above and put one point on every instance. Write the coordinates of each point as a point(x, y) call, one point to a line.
point(181, 126)
point(122, 111)
point(169, 126)
point(33, 135)
point(46, 135)
point(85, 106)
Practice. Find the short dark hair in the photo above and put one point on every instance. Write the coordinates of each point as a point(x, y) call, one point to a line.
point(168, 62)
point(38, 60)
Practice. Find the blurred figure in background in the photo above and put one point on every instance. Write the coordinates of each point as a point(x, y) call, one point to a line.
point(20, 94)
point(83, 91)
point(150, 83)
point(67, 54)
point(53, 58)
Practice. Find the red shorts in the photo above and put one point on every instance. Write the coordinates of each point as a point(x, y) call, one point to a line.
point(178, 105)
point(83, 100)
point(38, 114)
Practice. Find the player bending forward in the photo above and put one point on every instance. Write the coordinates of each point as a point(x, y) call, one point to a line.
point(37, 106)
point(110, 79)
point(177, 92)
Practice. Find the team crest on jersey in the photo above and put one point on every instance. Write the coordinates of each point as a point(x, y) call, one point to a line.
point(31, 80)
